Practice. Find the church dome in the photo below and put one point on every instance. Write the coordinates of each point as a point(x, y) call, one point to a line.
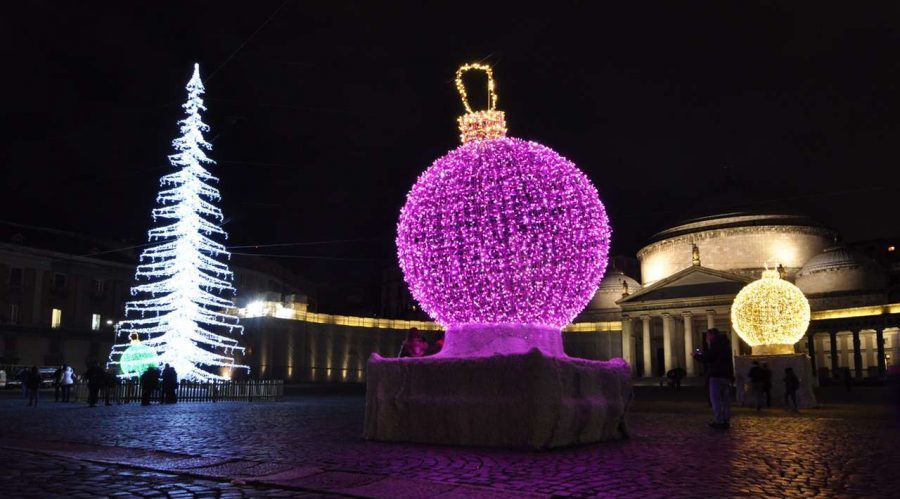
point(611, 289)
point(840, 269)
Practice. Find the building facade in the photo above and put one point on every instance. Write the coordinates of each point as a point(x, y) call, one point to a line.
point(692, 272)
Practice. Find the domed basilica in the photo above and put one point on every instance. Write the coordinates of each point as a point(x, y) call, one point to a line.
point(691, 273)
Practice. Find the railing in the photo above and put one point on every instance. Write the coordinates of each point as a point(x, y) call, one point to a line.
point(187, 391)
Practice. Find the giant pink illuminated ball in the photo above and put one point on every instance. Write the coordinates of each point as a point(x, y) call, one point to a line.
point(503, 231)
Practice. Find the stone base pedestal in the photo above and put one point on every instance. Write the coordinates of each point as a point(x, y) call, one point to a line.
point(528, 400)
point(777, 363)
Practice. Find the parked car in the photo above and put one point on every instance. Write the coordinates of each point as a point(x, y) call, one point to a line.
point(46, 378)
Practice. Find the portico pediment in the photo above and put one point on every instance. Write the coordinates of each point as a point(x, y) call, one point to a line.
point(688, 285)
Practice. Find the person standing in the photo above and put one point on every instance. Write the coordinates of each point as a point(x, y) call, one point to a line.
point(110, 386)
point(95, 379)
point(66, 380)
point(791, 385)
point(32, 385)
point(721, 374)
point(756, 382)
point(22, 377)
point(767, 383)
point(414, 345)
point(436, 347)
point(149, 382)
point(170, 384)
point(56, 382)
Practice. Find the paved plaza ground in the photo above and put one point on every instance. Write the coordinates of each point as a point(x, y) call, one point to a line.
point(309, 445)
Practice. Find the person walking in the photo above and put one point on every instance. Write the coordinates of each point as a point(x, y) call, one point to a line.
point(32, 385)
point(95, 378)
point(756, 377)
point(791, 385)
point(718, 358)
point(66, 380)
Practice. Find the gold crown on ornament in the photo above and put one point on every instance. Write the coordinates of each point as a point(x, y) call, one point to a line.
point(479, 125)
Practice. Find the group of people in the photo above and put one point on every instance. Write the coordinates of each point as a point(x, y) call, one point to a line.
point(63, 379)
point(150, 382)
point(761, 386)
point(720, 368)
point(416, 346)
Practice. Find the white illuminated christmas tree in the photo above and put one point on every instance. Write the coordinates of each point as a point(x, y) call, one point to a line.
point(181, 280)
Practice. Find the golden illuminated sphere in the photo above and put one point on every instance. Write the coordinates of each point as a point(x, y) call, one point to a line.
point(770, 314)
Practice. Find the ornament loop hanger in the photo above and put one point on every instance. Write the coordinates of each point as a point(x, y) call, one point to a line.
point(461, 88)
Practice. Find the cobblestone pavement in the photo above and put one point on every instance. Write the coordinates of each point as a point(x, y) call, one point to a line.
point(313, 444)
point(27, 474)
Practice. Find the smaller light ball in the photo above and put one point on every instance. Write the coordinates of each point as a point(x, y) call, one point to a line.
point(137, 358)
point(770, 314)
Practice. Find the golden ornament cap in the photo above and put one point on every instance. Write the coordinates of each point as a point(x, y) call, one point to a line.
point(479, 125)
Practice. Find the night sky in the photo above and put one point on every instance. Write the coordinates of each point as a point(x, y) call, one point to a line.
point(323, 113)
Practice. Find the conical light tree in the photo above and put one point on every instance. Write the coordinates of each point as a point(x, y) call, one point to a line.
point(183, 291)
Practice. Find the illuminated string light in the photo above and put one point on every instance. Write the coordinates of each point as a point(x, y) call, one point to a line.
point(479, 125)
point(770, 314)
point(137, 358)
point(502, 231)
point(181, 306)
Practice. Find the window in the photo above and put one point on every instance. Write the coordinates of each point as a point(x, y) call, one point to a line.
point(15, 276)
point(13, 314)
point(95, 322)
point(55, 318)
point(97, 286)
point(59, 280)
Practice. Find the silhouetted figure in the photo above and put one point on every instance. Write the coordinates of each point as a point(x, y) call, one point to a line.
point(32, 385)
point(675, 376)
point(110, 386)
point(149, 382)
point(791, 385)
point(438, 344)
point(414, 345)
point(846, 378)
point(56, 374)
point(22, 377)
point(170, 384)
point(767, 382)
point(721, 375)
point(757, 383)
point(95, 379)
point(66, 381)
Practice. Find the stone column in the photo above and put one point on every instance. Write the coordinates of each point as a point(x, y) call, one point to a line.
point(846, 345)
point(879, 344)
point(626, 341)
point(857, 355)
point(689, 343)
point(648, 369)
point(710, 319)
point(667, 341)
point(834, 354)
point(735, 343)
point(865, 351)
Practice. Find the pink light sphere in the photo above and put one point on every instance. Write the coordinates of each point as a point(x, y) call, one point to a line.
point(503, 235)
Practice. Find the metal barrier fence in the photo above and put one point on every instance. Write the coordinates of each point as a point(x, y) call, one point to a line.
point(130, 391)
